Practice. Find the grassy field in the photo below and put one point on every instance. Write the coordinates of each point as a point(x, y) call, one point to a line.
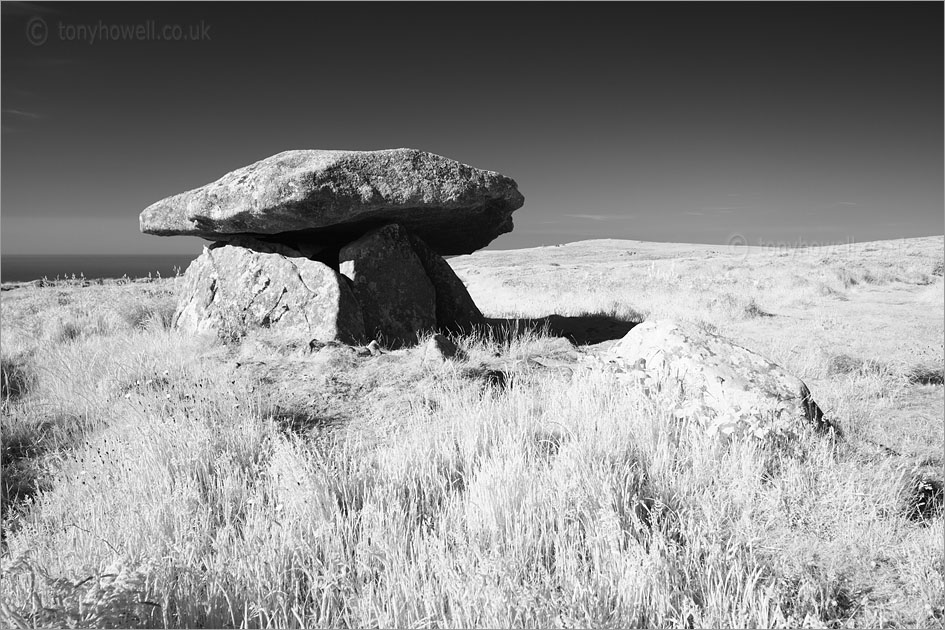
point(155, 479)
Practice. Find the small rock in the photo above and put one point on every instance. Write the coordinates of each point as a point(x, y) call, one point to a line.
point(439, 349)
point(564, 368)
point(561, 348)
point(489, 377)
point(315, 345)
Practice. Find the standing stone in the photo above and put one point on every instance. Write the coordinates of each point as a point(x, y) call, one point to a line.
point(396, 296)
point(726, 388)
point(455, 309)
point(231, 288)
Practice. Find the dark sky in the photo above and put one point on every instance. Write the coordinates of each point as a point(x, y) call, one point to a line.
point(785, 123)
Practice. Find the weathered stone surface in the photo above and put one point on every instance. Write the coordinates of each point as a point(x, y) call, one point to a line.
point(455, 309)
point(331, 197)
point(397, 299)
point(728, 389)
point(304, 250)
point(230, 288)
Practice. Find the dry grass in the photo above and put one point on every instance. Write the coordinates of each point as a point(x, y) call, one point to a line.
point(191, 482)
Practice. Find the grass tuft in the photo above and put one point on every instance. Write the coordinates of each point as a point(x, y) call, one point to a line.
point(66, 331)
point(926, 375)
point(752, 309)
point(159, 314)
point(15, 378)
point(843, 364)
point(924, 497)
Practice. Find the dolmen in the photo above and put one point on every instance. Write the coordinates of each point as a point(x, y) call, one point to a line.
point(336, 245)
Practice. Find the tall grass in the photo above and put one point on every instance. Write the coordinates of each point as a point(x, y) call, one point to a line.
point(549, 502)
point(184, 481)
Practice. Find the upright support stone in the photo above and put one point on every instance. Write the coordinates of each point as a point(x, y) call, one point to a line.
point(455, 309)
point(232, 287)
point(396, 296)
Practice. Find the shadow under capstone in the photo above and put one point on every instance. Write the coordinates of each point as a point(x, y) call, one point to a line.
point(579, 329)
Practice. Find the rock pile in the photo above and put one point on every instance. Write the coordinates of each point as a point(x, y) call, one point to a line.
point(336, 245)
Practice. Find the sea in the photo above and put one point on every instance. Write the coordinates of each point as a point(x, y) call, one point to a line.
point(23, 268)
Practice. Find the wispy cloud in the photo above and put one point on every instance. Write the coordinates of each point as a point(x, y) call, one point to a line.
point(694, 213)
point(16, 120)
point(601, 217)
point(22, 114)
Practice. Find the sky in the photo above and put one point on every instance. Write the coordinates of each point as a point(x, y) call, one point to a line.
point(774, 123)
